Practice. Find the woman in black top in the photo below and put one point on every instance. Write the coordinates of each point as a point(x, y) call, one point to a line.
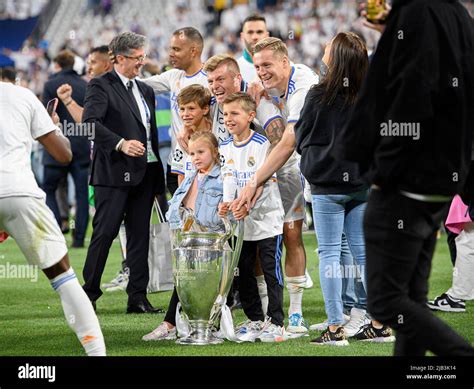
point(338, 193)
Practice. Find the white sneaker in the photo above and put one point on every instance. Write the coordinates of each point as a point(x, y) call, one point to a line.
point(120, 282)
point(297, 324)
point(273, 333)
point(162, 332)
point(357, 321)
point(309, 282)
point(250, 330)
point(322, 326)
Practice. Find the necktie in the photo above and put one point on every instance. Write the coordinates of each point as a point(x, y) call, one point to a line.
point(132, 97)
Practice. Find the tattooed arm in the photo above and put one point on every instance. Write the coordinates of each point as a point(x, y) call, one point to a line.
point(277, 157)
point(274, 131)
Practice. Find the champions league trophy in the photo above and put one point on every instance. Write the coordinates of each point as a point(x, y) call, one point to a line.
point(203, 266)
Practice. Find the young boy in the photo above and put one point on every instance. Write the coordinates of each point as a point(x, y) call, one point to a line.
point(194, 104)
point(241, 155)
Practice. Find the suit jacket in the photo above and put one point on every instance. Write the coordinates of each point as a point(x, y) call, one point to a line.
point(109, 107)
point(80, 144)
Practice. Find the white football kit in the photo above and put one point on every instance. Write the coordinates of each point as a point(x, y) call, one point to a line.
point(290, 180)
point(241, 161)
point(23, 211)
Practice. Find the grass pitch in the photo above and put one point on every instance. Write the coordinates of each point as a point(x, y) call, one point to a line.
point(32, 321)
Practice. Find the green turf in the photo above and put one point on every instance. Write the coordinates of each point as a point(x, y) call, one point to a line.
point(32, 322)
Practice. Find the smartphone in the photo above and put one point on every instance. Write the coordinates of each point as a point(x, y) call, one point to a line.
point(374, 7)
point(51, 106)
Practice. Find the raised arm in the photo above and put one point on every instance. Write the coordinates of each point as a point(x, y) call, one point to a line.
point(64, 92)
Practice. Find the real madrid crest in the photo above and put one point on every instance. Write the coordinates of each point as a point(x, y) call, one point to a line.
point(251, 162)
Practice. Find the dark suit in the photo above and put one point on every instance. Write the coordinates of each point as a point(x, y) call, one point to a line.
point(124, 186)
point(54, 172)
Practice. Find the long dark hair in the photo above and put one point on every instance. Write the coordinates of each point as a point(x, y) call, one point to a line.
point(348, 64)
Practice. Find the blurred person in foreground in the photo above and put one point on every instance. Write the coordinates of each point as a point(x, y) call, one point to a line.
point(24, 214)
point(411, 133)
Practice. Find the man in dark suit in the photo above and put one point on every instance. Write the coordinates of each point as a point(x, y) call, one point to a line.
point(54, 172)
point(126, 168)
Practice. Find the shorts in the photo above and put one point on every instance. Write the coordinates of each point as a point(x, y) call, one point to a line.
point(291, 185)
point(30, 222)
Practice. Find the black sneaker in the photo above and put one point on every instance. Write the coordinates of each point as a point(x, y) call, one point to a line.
point(337, 338)
point(447, 304)
point(368, 333)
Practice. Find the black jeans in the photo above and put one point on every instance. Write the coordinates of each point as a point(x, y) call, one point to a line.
point(400, 238)
point(270, 250)
point(171, 180)
point(452, 245)
point(170, 316)
point(52, 176)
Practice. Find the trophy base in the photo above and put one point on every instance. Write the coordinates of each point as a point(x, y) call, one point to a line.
point(200, 337)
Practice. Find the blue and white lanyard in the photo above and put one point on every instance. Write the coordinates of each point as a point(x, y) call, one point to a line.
point(147, 113)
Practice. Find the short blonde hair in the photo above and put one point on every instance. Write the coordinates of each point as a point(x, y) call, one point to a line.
point(221, 59)
point(277, 46)
point(210, 139)
point(246, 101)
point(195, 93)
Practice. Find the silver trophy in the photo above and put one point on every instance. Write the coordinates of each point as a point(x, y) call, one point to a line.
point(203, 266)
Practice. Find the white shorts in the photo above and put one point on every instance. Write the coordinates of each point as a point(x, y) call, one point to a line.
point(30, 222)
point(291, 185)
point(463, 274)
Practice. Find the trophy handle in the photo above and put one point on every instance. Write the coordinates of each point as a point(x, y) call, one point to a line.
point(236, 247)
point(237, 244)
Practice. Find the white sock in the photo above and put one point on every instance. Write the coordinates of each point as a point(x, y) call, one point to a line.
point(295, 286)
point(79, 313)
point(262, 291)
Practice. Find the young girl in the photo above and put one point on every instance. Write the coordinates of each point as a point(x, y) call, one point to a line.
point(201, 191)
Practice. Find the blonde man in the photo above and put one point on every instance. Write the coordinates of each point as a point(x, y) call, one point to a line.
point(287, 84)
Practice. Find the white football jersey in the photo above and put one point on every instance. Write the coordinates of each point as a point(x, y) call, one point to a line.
point(218, 127)
point(267, 111)
point(247, 69)
point(23, 119)
point(181, 162)
point(173, 81)
point(291, 103)
point(242, 161)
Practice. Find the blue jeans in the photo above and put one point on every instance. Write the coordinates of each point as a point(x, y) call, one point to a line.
point(349, 297)
point(335, 215)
